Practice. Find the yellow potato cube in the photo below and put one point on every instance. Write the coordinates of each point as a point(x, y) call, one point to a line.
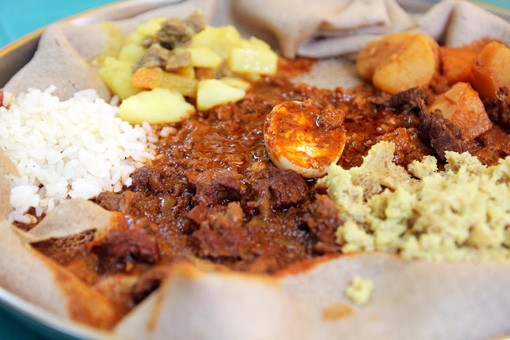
point(204, 57)
point(134, 38)
point(157, 106)
point(212, 92)
point(116, 74)
point(244, 60)
point(150, 27)
point(131, 53)
point(236, 82)
point(219, 39)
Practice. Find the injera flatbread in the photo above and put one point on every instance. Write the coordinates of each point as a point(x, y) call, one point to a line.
point(411, 299)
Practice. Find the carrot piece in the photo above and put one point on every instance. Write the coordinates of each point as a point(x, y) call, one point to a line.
point(151, 78)
point(456, 63)
point(144, 78)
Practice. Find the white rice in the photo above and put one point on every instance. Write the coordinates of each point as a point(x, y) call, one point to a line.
point(67, 149)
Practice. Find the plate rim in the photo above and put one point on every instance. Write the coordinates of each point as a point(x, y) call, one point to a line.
point(9, 301)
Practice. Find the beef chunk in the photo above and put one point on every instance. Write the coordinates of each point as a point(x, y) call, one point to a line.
point(154, 56)
point(160, 180)
point(442, 134)
point(158, 57)
point(217, 187)
point(221, 233)
point(216, 216)
point(499, 109)
point(280, 189)
point(498, 139)
point(176, 32)
point(222, 243)
point(322, 220)
point(288, 192)
point(178, 60)
point(490, 146)
point(141, 178)
point(109, 200)
point(156, 182)
point(116, 202)
point(118, 246)
point(413, 100)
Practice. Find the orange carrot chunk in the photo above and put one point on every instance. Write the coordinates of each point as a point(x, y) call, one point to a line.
point(456, 63)
point(151, 78)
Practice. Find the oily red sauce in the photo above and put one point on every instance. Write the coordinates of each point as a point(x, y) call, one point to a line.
point(213, 194)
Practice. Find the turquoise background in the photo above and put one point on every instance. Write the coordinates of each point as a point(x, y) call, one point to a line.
point(500, 3)
point(17, 18)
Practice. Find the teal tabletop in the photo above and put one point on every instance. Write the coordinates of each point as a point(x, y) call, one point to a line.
point(498, 3)
point(18, 18)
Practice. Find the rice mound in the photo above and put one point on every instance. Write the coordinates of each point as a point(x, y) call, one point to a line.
point(67, 149)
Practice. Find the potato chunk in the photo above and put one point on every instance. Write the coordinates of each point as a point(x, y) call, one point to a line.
point(219, 39)
point(156, 107)
point(462, 105)
point(253, 61)
point(236, 82)
point(131, 53)
point(203, 57)
point(491, 70)
point(150, 27)
point(116, 74)
point(213, 92)
point(399, 61)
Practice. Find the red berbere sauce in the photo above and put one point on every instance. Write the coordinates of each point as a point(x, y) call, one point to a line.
point(213, 194)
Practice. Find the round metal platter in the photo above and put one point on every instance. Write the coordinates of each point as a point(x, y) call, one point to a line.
point(13, 57)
